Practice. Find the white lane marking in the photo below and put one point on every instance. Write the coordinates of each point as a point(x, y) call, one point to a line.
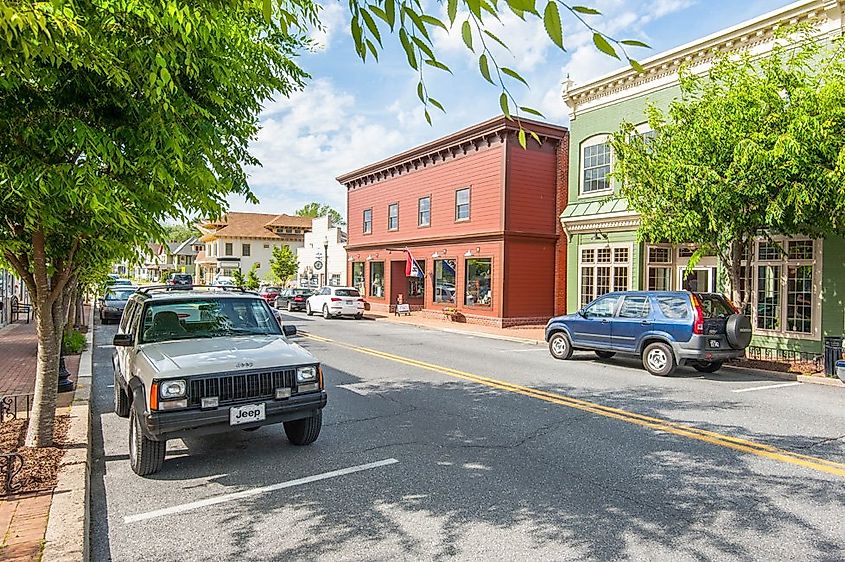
point(106, 346)
point(521, 350)
point(768, 386)
point(109, 386)
point(255, 491)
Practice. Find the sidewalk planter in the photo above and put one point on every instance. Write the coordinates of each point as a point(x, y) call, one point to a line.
point(453, 314)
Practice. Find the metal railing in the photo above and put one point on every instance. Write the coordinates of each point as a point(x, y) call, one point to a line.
point(15, 406)
point(784, 355)
point(10, 464)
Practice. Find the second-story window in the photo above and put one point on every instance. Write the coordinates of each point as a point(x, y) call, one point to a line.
point(228, 250)
point(246, 249)
point(462, 204)
point(596, 157)
point(393, 216)
point(368, 221)
point(424, 218)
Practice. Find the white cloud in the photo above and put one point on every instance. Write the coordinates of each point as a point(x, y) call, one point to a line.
point(333, 20)
point(309, 139)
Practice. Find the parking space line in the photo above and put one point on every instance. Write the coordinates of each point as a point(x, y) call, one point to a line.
point(254, 491)
point(675, 428)
point(766, 387)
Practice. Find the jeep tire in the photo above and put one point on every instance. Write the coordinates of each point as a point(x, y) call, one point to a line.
point(559, 346)
point(659, 360)
point(601, 354)
point(304, 431)
point(707, 366)
point(145, 455)
point(121, 401)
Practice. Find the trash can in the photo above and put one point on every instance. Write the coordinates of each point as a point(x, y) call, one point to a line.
point(832, 353)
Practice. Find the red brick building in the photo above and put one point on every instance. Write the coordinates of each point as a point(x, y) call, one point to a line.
point(478, 213)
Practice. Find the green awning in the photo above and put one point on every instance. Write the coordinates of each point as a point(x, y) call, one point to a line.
point(597, 207)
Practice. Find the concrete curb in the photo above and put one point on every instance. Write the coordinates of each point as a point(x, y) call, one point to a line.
point(66, 539)
point(825, 381)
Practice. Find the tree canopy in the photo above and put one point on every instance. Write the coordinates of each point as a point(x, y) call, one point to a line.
point(315, 210)
point(754, 148)
point(284, 263)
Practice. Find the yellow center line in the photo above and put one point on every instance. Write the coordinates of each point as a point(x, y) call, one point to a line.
point(674, 428)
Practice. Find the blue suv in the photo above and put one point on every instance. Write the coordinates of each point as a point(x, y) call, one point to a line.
point(665, 328)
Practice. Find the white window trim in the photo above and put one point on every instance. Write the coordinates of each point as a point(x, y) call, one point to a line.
point(594, 264)
point(592, 141)
point(670, 265)
point(784, 262)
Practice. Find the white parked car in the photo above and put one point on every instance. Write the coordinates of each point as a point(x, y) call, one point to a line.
point(336, 301)
point(200, 362)
point(224, 281)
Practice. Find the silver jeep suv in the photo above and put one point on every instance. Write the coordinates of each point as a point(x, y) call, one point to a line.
point(205, 361)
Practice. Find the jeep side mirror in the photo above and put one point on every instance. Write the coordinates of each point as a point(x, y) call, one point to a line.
point(122, 340)
point(289, 330)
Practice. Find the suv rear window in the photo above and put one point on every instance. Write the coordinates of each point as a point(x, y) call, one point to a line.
point(347, 293)
point(714, 306)
point(674, 308)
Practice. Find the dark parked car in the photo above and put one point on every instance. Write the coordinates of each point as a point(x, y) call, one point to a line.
point(269, 294)
point(665, 328)
point(293, 299)
point(182, 280)
point(113, 303)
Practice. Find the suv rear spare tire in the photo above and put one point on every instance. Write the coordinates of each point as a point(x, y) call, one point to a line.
point(659, 360)
point(738, 331)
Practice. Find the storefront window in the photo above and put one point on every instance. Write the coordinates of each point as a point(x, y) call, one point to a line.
point(377, 279)
point(444, 281)
point(358, 276)
point(784, 297)
point(479, 278)
point(603, 269)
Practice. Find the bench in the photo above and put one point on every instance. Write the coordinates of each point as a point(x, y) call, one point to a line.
point(19, 308)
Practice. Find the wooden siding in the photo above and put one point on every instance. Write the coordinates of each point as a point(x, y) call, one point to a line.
point(481, 171)
point(530, 278)
point(531, 185)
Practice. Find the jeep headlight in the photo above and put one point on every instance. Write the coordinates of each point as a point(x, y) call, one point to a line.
point(171, 389)
point(306, 374)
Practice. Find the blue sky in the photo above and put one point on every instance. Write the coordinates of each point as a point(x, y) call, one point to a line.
point(351, 113)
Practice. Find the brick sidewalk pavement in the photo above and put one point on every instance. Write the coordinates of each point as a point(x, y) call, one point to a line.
point(23, 518)
point(533, 334)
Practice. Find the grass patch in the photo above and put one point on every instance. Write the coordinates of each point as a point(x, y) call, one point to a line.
point(74, 342)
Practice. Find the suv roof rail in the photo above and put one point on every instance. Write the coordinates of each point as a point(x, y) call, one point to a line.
point(151, 288)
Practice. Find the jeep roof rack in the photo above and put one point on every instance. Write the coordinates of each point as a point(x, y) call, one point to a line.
point(150, 288)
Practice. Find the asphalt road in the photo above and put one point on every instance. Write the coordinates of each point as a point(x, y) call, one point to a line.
point(421, 459)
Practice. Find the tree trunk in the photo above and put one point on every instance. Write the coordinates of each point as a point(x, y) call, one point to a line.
point(735, 277)
point(40, 430)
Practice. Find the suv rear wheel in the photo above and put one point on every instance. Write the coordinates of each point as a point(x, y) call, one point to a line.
point(326, 314)
point(659, 360)
point(605, 354)
point(304, 431)
point(707, 366)
point(559, 346)
point(145, 455)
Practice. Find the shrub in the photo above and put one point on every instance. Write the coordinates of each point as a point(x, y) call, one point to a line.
point(74, 342)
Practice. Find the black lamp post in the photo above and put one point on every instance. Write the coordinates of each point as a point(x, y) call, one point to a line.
point(326, 259)
point(65, 384)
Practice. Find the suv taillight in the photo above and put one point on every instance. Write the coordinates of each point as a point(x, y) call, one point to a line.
point(698, 313)
point(335, 299)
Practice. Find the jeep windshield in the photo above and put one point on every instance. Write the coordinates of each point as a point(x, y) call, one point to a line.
point(207, 317)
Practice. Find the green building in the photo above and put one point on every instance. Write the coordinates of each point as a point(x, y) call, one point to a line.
point(797, 294)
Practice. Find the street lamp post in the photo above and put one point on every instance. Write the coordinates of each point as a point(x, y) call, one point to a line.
point(326, 260)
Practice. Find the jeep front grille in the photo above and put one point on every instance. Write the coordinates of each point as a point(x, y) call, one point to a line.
point(234, 388)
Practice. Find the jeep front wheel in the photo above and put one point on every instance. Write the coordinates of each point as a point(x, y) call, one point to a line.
point(304, 431)
point(145, 455)
point(659, 360)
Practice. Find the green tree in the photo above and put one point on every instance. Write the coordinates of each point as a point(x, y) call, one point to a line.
point(755, 148)
point(252, 282)
point(238, 278)
point(284, 264)
point(315, 210)
point(105, 134)
point(179, 232)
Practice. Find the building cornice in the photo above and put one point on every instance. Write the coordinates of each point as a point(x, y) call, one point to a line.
point(662, 69)
point(605, 222)
point(472, 139)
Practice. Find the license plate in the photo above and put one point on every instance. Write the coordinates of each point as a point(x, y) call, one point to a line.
point(246, 414)
point(715, 343)
point(350, 302)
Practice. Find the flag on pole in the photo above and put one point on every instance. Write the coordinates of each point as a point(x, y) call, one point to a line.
point(412, 268)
